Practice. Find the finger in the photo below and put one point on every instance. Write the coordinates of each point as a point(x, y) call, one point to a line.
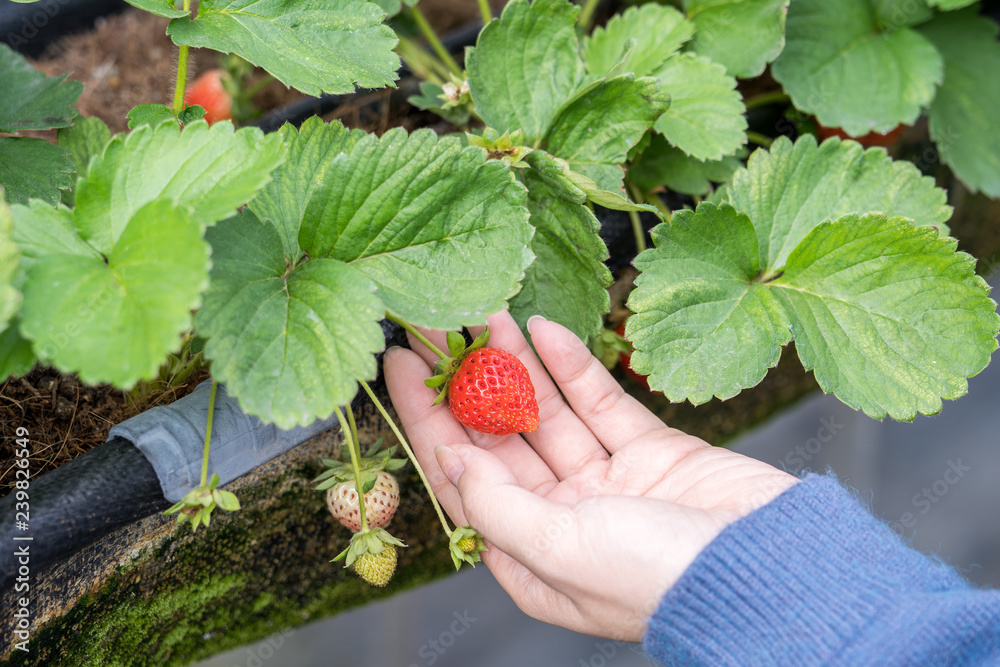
point(613, 416)
point(532, 595)
point(562, 440)
point(428, 425)
point(520, 523)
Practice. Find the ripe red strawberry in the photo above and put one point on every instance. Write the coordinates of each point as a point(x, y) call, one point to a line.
point(489, 389)
point(209, 92)
point(491, 392)
point(381, 502)
point(867, 140)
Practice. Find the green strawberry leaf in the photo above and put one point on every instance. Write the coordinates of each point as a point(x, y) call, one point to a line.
point(149, 114)
point(963, 117)
point(568, 281)
point(393, 7)
point(839, 65)
point(595, 132)
point(510, 88)
point(33, 169)
point(888, 315)
point(10, 264)
point(115, 320)
point(16, 357)
point(556, 174)
point(212, 169)
point(31, 100)
point(289, 343)
point(165, 8)
point(791, 189)
point(311, 149)
point(85, 139)
point(190, 114)
point(663, 164)
point(607, 199)
point(703, 326)
point(637, 41)
point(894, 14)
point(705, 118)
point(40, 230)
point(441, 230)
point(319, 46)
point(742, 35)
point(574, 187)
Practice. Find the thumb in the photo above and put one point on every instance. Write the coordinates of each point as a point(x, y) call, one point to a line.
point(519, 522)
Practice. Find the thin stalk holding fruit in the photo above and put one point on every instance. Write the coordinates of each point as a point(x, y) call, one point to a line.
point(421, 63)
point(428, 32)
point(198, 504)
point(760, 139)
point(208, 433)
point(182, 70)
point(349, 441)
point(633, 216)
point(409, 452)
point(484, 10)
point(416, 334)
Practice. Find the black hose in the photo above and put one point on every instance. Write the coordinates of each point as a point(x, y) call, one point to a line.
point(79, 502)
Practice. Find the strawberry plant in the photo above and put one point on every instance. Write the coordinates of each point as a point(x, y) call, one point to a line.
point(281, 253)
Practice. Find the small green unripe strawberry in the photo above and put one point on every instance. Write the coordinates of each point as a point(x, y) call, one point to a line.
point(377, 569)
point(372, 554)
point(465, 545)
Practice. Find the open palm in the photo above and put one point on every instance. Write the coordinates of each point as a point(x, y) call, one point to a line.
point(592, 517)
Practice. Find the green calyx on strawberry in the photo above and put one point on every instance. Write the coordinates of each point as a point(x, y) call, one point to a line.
point(488, 389)
point(507, 147)
point(608, 345)
point(379, 487)
point(198, 504)
point(372, 554)
point(465, 545)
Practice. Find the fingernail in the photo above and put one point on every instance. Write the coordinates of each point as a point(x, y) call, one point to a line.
point(532, 320)
point(450, 464)
point(392, 348)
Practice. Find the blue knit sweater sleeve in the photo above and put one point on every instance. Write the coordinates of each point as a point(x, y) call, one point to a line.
point(814, 579)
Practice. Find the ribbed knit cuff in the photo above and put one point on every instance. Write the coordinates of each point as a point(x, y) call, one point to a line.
point(794, 583)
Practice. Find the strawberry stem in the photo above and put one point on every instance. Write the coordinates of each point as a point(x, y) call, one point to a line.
point(633, 216)
point(419, 336)
point(484, 9)
point(349, 442)
point(428, 32)
point(409, 452)
point(208, 433)
point(182, 70)
point(587, 15)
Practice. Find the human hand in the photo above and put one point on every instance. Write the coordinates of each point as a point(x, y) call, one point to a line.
point(591, 518)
